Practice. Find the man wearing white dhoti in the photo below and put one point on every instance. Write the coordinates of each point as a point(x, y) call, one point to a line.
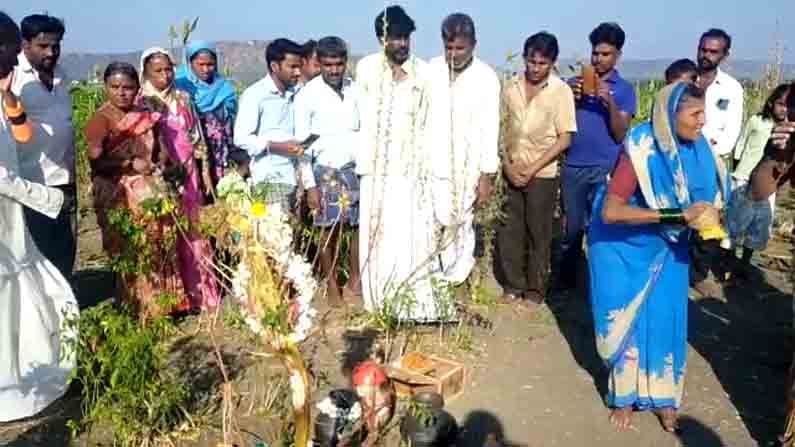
point(34, 367)
point(463, 133)
point(396, 242)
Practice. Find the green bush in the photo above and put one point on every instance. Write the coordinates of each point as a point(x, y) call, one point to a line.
point(122, 373)
point(86, 99)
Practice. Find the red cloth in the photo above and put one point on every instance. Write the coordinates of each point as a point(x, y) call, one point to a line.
point(623, 182)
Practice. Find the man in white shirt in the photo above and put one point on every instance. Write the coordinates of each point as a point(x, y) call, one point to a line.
point(49, 157)
point(724, 120)
point(310, 67)
point(724, 95)
point(328, 107)
point(264, 128)
point(396, 227)
point(464, 126)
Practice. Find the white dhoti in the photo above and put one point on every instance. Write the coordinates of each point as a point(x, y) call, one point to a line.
point(34, 368)
point(396, 243)
point(34, 298)
point(456, 216)
point(462, 136)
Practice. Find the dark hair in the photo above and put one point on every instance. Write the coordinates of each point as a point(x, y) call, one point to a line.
point(37, 24)
point(791, 108)
point(332, 46)
point(691, 91)
point(779, 92)
point(543, 43)
point(8, 29)
point(458, 25)
point(279, 49)
point(398, 23)
point(239, 156)
point(678, 68)
point(717, 33)
point(309, 48)
point(206, 51)
point(609, 33)
point(124, 68)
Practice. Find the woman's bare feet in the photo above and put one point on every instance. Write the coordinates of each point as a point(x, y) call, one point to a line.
point(621, 418)
point(668, 419)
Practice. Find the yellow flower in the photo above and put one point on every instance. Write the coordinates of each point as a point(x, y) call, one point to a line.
point(258, 210)
point(345, 201)
point(168, 206)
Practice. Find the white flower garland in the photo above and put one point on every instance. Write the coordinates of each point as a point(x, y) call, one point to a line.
point(274, 234)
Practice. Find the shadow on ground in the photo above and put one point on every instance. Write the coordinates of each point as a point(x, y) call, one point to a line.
point(572, 311)
point(693, 433)
point(358, 348)
point(481, 428)
point(47, 428)
point(747, 361)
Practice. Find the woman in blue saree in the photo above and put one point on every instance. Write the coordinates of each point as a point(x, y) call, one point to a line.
point(667, 183)
point(216, 102)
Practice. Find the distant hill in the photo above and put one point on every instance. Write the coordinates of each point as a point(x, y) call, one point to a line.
point(246, 62)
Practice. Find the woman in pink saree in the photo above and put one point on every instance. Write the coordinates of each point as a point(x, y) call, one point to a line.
point(180, 134)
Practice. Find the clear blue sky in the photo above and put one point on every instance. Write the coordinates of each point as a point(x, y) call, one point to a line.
point(655, 29)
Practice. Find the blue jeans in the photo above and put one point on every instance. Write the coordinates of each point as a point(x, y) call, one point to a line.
point(578, 187)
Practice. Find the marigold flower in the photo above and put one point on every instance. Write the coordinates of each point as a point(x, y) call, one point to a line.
point(259, 210)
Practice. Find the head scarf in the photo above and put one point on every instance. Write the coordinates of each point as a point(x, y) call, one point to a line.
point(663, 169)
point(207, 96)
point(167, 96)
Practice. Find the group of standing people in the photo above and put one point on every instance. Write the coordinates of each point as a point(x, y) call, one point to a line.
point(357, 151)
point(404, 154)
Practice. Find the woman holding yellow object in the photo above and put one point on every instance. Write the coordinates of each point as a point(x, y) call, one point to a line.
point(667, 182)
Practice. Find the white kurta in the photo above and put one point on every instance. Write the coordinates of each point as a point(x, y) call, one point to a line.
point(463, 133)
point(33, 297)
point(396, 242)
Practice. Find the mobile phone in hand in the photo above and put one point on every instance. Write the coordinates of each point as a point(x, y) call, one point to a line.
point(309, 140)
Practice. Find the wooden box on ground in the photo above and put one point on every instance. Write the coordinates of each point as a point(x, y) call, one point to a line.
point(416, 372)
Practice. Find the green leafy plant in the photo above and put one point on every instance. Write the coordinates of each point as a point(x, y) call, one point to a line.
point(86, 99)
point(137, 249)
point(121, 370)
point(421, 412)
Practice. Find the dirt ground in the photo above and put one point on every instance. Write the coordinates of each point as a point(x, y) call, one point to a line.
point(533, 380)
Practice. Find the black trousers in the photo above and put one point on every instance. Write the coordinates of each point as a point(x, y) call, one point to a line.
point(56, 238)
point(705, 257)
point(524, 237)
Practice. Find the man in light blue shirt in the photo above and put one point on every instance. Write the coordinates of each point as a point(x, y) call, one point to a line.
point(328, 107)
point(265, 127)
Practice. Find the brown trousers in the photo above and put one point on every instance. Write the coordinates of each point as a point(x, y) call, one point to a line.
point(524, 237)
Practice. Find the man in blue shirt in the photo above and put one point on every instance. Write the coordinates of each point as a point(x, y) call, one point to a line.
point(602, 123)
point(265, 126)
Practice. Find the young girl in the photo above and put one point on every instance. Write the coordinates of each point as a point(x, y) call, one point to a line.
point(751, 145)
point(759, 174)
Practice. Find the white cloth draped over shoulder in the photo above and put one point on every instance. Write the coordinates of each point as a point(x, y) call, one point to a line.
point(34, 297)
point(463, 134)
point(397, 234)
